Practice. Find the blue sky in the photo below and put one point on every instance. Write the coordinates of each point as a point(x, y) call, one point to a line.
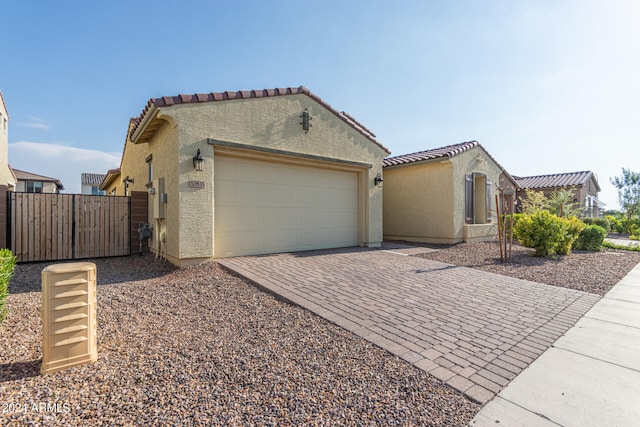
point(544, 86)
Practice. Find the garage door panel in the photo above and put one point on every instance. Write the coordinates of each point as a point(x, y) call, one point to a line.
point(265, 207)
point(246, 172)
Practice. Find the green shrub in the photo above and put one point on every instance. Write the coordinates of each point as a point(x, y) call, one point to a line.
point(604, 223)
point(541, 231)
point(591, 238)
point(616, 224)
point(574, 228)
point(7, 266)
point(631, 226)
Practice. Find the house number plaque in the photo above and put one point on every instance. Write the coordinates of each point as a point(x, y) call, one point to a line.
point(196, 184)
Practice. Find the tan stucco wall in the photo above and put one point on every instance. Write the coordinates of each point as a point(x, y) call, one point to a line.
point(425, 202)
point(6, 178)
point(474, 160)
point(271, 123)
point(418, 200)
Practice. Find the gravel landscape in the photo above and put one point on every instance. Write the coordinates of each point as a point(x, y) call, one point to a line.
point(594, 272)
point(199, 346)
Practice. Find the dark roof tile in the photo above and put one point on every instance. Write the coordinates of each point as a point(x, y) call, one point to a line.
point(92, 178)
point(568, 179)
point(434, 153)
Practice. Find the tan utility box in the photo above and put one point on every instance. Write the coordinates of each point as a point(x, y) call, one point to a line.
point(68, 316)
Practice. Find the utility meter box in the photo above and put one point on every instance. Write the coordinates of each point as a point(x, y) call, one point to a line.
point(68, 316)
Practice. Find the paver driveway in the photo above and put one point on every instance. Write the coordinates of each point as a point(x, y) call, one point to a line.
point(472, 329)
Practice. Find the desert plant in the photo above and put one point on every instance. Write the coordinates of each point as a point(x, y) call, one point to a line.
point(7, 266)
point(561, 203)
point(541, 231)
point(573, 229)
point(533, 202)
point(591, 238)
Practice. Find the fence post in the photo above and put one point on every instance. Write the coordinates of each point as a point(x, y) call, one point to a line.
point(4, 217)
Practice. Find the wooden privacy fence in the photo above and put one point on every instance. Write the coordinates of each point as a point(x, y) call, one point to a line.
point(47, 227)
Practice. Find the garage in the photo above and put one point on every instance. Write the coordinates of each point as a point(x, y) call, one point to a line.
point(272, 206)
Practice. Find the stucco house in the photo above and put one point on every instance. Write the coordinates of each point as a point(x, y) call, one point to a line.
point(28, 182)
point(252, 172)
point(584, 184)
point(445, 195)
point(6, 175)
point(90, 184)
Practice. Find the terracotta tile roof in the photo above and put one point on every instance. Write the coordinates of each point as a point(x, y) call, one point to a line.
point(448, 151)
point(569, 179)
point(28, 176)
point(167, 101)
point(434, 153)
point(92, 178)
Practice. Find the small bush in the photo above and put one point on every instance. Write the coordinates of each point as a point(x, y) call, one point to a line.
point(604, 223)
point(574, 228)
point(7, 266)
point(591, 238)
point(615, 224)
point(541, 231)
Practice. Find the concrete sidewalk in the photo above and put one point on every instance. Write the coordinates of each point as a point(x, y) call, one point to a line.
point(623, 242)
point(589, 377)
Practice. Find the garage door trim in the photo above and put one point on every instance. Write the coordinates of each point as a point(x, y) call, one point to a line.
point(228, 148)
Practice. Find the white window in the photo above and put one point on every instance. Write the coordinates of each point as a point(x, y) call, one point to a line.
point(33, 186)
point(149, 161)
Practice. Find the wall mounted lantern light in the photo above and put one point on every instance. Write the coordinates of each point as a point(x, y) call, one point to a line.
point(198, 161)
point(306, 120)
point(378, 179)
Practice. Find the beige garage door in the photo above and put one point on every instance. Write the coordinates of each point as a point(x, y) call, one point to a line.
point(264, 207)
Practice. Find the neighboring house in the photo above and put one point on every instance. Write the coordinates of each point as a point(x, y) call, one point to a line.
point(28, 182)
point(6, 175)
point(584, 184)
point(445, 195)
point(91, 184)
point(109, 184)
point(252, 172)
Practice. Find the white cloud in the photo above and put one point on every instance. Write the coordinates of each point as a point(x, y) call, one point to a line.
point(35, 123)
point(61, 161)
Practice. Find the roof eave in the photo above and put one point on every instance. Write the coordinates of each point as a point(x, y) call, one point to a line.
point(109, 178)
point(142, 133)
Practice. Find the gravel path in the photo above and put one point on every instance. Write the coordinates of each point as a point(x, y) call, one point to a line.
point(594, 272)
point(199, 346)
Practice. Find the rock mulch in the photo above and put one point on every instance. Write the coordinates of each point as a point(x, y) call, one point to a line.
point(199, 346)
point(594, 272)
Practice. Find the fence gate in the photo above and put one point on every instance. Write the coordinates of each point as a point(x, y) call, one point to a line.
point(48, 227)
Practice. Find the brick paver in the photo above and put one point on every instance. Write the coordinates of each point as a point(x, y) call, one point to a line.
point(471, 329)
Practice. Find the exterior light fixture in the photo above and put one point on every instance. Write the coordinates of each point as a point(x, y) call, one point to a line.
point(378, 179)
point(306, 120)
point(198, 161)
